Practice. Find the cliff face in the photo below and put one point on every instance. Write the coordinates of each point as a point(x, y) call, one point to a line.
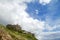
point(14, 32)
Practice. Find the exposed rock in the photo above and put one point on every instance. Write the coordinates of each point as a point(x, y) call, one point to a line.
point(4, 35)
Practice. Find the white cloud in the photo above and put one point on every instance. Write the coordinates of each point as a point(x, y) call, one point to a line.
point(44, 2)
point(48, 35)
point(37, 11)
point(51, 36)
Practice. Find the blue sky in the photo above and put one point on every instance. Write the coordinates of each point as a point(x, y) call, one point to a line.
point(41, 17)
point(52, 10)
point(43, 10)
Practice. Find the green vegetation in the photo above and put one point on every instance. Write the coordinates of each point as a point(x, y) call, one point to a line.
point(14, 32)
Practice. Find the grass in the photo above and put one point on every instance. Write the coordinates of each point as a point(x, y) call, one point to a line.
point(18, 35)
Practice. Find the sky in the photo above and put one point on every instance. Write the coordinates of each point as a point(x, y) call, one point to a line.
point(41, 17)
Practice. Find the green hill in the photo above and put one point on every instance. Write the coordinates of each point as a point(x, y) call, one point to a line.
point(14, 32)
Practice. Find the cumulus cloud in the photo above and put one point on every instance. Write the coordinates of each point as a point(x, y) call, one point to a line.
point(51, 36)
point(44, 2)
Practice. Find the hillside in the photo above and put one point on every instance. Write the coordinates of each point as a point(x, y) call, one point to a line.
point(14, 32)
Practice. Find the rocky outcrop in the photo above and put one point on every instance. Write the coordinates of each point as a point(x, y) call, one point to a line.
point(13, 27)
